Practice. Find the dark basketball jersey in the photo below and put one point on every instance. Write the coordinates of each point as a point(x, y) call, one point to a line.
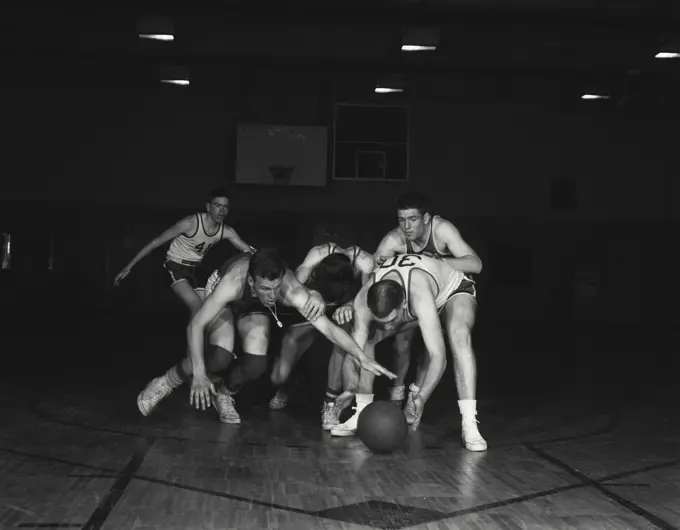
point(430, 248)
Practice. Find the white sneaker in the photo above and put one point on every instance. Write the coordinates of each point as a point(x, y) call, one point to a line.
point(278, 402)
point(472, 439)
point(224, 405)
point(157, 390)
point(329, 416)
point(349, 428)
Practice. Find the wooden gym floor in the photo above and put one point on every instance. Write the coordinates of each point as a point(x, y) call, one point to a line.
point(569, 454)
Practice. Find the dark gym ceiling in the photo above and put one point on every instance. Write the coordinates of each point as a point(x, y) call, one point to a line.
point(565, 38)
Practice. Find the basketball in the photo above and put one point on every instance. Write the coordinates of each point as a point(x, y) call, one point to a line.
point(382, 427)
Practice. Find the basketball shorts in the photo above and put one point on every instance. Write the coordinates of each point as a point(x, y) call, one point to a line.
point(181, 272)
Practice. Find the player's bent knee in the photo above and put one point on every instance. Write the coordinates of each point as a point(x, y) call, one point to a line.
point(218, 359)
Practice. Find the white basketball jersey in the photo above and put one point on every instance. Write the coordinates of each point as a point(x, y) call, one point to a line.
point(194, 247)
point(401, 266)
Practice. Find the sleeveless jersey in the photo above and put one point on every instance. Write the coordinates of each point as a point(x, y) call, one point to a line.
point(445, 277)
point(430, 249)
point(192, 248)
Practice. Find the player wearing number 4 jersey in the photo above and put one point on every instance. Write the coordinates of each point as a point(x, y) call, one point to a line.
point(191, 237)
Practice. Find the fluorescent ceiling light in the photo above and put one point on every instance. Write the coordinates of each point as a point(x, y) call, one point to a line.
point(180, 82)
point(387, 90)
point(419, 39)
point(157, 36)
point(594, 96)
point(417, 48)
point(667, 55)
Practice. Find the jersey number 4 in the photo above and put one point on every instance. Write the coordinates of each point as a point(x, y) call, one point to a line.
point(201, 248)
point(401, 261)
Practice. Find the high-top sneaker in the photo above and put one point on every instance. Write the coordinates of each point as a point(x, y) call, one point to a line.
point(329, 416)
point(349, 428)
point(157, 390)
point(279, 401)
point(224, 405)
point(471, 438)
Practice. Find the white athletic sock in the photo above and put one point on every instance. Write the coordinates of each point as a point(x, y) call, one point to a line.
point(468, 409)
point(413, 389)
point(363, 400)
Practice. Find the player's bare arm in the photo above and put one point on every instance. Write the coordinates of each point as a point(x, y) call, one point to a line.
point(365, 264)
point(391, 245)
point(297, 298)
point(232, 236)
point(227, 290)
point(188, 225)
point(361, 328)
point(423, 307)
point(312, 259)
point(465, 258)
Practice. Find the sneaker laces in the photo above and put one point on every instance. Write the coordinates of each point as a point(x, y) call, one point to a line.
point(158, 391)
point(222, 398)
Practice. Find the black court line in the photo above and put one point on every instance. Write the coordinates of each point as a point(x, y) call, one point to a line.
point(50, 525)
point(585, 482)
point(636, 509)
point(624, 485)
point(102, 512)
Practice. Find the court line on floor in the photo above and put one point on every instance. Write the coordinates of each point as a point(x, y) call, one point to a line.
point(108, 503)
point(597, 484)
point(588, 482)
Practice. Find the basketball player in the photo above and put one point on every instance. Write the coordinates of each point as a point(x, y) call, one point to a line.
point(191, 237)
point(409, 291)
point(245, 292)
point(419, 232)
point(337, 273)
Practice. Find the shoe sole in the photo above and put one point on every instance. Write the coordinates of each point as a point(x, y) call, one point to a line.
point(476, 449)
point(230, 422)
point(343, 433)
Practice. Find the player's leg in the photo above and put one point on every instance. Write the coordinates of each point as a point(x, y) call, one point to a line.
point(297, 340)
point(331, 409)
point(254, 331)
point(218, 356)
point(459, 319)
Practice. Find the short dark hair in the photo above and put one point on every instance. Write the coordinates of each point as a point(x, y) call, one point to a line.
point(267, 264)
point(384, 296)
point(218, 192)
point(412, 201)
point(334, 278)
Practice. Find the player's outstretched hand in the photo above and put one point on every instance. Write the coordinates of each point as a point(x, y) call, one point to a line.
point(377, 369)
point(201, 388)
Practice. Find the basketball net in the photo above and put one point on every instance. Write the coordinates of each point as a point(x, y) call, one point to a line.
point(281, 174)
